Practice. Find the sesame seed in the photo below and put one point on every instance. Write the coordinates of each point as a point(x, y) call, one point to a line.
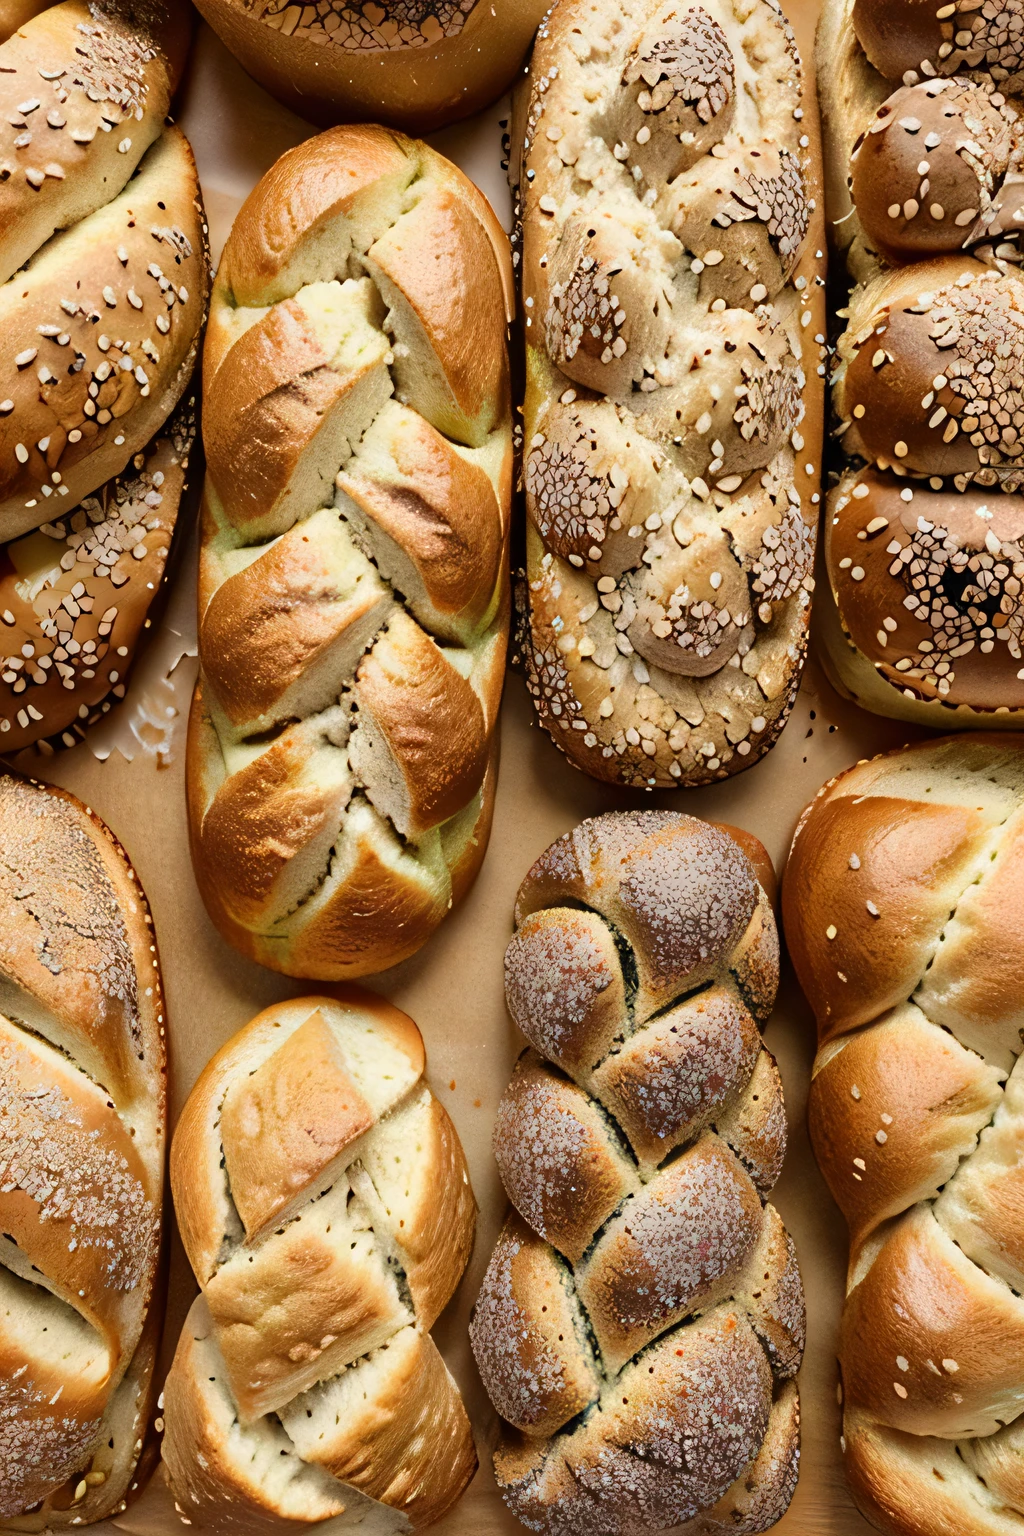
point(831, 931)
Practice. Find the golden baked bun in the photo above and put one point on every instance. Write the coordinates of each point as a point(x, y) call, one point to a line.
point(415, 64)
point(923, 618)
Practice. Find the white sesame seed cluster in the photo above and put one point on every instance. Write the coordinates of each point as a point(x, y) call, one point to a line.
point(927, 387)
point(902, 902)
point(104, 269)
point(82, 1118)
point(353, 585)
point(323, 1193)
point(674, 317)
point(642, 1318)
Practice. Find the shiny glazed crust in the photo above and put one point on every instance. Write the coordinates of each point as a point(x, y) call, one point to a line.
point(353, 587)
point(416, 64)
point(641, 1319)
point(902, 901)
point(924, 177)
point(665, 163)
point(82, 1081)
point(325, 1206)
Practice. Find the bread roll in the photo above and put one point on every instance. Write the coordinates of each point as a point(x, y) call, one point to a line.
point(667, 171)
point(325, 1206)
point(925, 178)
point(82, 1122)
point(902, 902)
point(641, 1320)
point(103, 278)
point(353, 584)
point(416, 64)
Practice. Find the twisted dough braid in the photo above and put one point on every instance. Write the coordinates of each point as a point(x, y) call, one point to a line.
point(325, 1206)
point(903, 902)
point(353, 586)
point(674, 321)
point(642, 1315)
point(82, 1117)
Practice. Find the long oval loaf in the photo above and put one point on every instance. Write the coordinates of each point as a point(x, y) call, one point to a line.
point(923, 111)
point(642, 1318)
point(902, 902)
point(82, 1123)
point(353, 586)
point(325, 1206)
point(665, 162)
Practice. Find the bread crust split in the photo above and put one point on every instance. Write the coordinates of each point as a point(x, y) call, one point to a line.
point(353, 588)
point(82, 1126)
point(642, 1319)
point(923, 119)
point(325, 1206)
point(902, 901)
point(415, 64)
point(666, 168)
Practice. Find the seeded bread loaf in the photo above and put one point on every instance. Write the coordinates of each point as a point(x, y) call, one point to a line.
point(353, 588)
point(924, 147)
point(665, 163)
point(641, 1319)
point(902, 902)
point(82, 1122)
point(324, 1203)
point(416, 64)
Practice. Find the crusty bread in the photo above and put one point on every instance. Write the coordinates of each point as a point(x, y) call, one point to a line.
point(642, 1318)
point(82, 1152)
point(902, 901)
point(75, 595)
point(325, 1206)
point(416, 64)
point(666, 167)
point(924, 177)
point(353, 589)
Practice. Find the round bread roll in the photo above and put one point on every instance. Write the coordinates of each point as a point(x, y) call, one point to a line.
point(927, 600)
point(931, 374)
point(918, 37)
point(415, 64)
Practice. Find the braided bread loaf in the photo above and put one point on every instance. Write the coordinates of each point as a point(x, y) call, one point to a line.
point(324, 1203)
point(672, 288)
point(642, 1315)
point(902, 901)
point(82, 1119)
point(924, 134)
point(353, 588)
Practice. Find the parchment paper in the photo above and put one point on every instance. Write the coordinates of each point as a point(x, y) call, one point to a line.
point(453, 988)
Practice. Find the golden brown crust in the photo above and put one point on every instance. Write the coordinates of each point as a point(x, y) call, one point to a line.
point(81, 1041)
point(674, 325)
point(416, 66)
point(357, 405)
point(916, 1101)
point(340, 1242)
point(627, 1277)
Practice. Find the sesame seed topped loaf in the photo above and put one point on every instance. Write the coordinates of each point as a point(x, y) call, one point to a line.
point(103, 282)
point(902, 902)
point(664, 160)
point(923, 109)
point(353, 588)
point(324, 1203)
point(416, 64)
point(642, 1317)
point(82, 1121)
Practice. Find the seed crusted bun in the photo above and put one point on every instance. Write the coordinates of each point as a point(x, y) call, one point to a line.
point(902, 901)
point(641, 1319)
point(416, 64)
point(666, 168)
